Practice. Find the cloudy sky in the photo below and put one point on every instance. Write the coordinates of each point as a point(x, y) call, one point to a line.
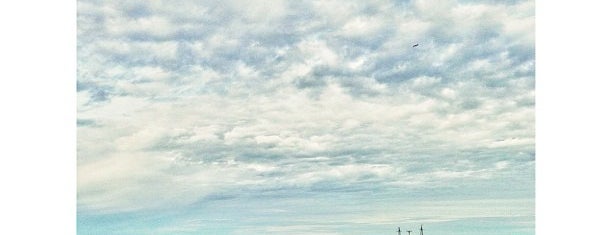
point(305, 117)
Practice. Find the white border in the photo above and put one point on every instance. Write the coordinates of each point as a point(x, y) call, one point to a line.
point(573, 116)
point(38, 102)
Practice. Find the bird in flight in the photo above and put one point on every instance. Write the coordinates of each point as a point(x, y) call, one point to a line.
point(415, 45)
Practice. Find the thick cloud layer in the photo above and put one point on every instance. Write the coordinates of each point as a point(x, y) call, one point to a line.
point(192, 106)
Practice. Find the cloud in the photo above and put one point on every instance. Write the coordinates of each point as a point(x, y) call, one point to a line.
point(184, 105)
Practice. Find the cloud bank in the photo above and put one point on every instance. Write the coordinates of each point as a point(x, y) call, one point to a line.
point(188, 104)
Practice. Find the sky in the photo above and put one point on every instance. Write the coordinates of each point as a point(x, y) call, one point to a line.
point(305, 117)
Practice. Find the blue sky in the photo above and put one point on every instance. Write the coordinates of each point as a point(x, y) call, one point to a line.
point(299, 117)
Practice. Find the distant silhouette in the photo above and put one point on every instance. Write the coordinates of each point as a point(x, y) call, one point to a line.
point(399, 232)
point(415, 45)
point(421, 229)
point(409, 231)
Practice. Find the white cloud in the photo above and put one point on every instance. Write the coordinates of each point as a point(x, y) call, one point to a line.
point(185, 102)
point(152, 27)
point(362, 27)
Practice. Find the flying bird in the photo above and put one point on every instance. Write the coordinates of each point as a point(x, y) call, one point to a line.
point(415, 45)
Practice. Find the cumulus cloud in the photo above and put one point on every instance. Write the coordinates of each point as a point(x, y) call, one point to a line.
point(184, 104)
